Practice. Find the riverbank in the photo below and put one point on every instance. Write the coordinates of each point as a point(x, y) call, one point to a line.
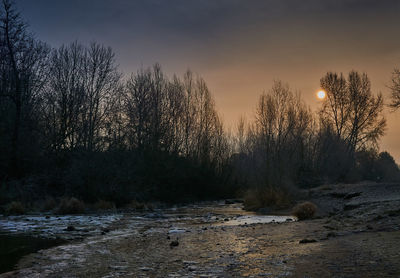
point(355, 234)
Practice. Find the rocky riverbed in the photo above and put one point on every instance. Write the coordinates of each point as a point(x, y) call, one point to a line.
point(355, 234)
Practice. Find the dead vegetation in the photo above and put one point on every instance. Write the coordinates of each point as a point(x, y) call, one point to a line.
point(256, 199)
point(15, 208)
point(304, 210)
point(104, 205)
point(71, 206)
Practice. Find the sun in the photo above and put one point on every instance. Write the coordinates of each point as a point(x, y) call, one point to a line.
point(321, 94)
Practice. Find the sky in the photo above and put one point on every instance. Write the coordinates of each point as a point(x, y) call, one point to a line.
point(238, 46)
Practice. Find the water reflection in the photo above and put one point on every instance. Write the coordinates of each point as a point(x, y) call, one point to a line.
point(13, 247)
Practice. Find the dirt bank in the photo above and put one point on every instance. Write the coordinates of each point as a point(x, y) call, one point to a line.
point(356, 234)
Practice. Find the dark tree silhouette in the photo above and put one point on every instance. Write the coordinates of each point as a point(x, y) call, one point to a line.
point(395, 88)
point(23, 67)
point(352, 110)
point(82, 90)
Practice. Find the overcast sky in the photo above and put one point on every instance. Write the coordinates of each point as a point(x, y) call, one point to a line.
point(239, 47)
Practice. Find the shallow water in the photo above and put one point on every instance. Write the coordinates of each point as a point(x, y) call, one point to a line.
point(257, 219)
point(55, 226)
point(13, 247)
point(21, 235)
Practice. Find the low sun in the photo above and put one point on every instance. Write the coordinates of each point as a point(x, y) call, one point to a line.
point(321, 94)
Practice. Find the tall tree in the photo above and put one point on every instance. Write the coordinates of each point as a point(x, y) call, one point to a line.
point(23, 66)
point(83, 88)
point(352, 110)
point(395, 88)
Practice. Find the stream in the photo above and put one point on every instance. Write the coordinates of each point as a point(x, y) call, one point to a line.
point(22, 235)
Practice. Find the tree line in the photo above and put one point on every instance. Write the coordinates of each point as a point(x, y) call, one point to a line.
point(72, 124)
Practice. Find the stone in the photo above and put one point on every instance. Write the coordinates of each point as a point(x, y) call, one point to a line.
point(306, 240)
point(174, 243)
point(70, 228)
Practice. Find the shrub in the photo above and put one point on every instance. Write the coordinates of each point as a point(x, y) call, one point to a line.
point(304, 210)
point(256, 199)
point(104, 205)
point(136, 205)
point(49, 204)
point(71, 206)
point(15, 208)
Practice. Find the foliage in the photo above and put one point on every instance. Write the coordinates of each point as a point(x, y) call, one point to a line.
point(104, 205)
point(15, 208)
point(304, 210)
point(256, 199)
point(71, 206)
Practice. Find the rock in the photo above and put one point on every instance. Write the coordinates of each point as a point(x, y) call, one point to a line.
point(351, 206)
point(145, 268)
point(205, 229)
point(378, 217)
point(192, 268)
point(105, 230)
point(70, 228)
point(306, 240)
point(352, 195)
point(289, 219)
point(190, 262)
point(338, 195)
point(47, 217)
point(174, 243)
point(393, 212)
point(226, 219)
point(331, 234)
point(155, 215)
point(176, 231)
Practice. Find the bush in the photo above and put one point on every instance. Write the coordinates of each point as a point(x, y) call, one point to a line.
point(256, 199)
point(71, 206)
point(15, 208)
point(136, 205)
point(49, 204)
point(304, 210)
point(104, 205)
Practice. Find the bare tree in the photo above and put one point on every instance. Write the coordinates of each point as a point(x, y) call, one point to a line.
point(283, 125)
point(83, 88)
point(395, 88)
point(352, 110)
point(137, 109)
point(23, 66)
point(100, 85)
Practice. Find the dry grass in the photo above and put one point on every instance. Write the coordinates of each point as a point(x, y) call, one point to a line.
point(136, 205)
point(256, 199)
point(71, 206)
point(304, 210)
point(15, 208)
point(104, 205)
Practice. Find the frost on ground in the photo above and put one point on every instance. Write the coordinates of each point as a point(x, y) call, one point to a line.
point(354, 235)
point(56, 226)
